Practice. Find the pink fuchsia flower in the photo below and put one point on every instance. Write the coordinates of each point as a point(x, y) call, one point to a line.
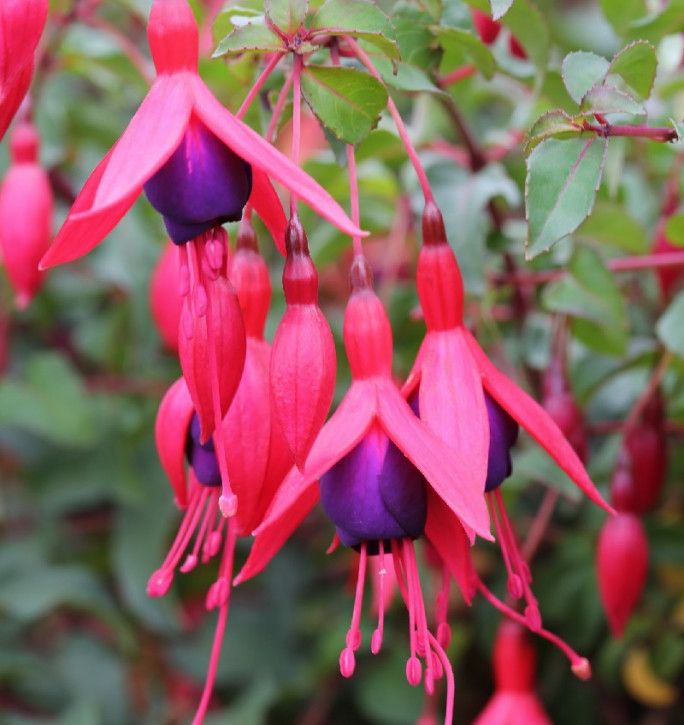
point(383, 479)
point(198, 163)
point(515, 701)
point(21, 25)
point(622, 566)
point(473, 407)
point(25, 214)
point(303, 360)
point(165, 305)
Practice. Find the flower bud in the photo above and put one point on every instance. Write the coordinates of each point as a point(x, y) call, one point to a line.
point(166, 302)
point(487, 28)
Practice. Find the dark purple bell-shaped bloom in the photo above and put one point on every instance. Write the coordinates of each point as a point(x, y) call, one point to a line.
point(503, 433)
point(202, 458)
point(201, 186)
point(374, 494)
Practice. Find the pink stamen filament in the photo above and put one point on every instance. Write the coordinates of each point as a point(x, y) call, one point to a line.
point(258, 84)
point(398, 121)
point(442, 609)
point(225, 572)
point(578, 663)
point(419, 603)
point(406, 589)
point(209, 518)
point(186, 530)
point(354, 633)
point(376, 639)
point(449, 673)
point(515, 587)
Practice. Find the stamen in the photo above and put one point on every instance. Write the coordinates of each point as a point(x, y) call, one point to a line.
point(353, 639)
point(225, 573)
point(442, 610)
point(376, 639)
point(414, 670)
point(580, 665)
point(213, 543)
point(451, 688)
point(515, 585)
point(209, 516)
point(419, 603)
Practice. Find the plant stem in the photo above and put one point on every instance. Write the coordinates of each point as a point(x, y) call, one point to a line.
point(296, 120)
point(642, 401)
point(258, 84)
point(664, 134)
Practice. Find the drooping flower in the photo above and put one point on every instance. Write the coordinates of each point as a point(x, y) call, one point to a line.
point(21, 25)
point(165, 304)
point(25, 214)
point(304, 363)
point(515, 701)
point(256, 455)
point(622, 566)
point(468, 403)
point(384, 480)
point(198, 163)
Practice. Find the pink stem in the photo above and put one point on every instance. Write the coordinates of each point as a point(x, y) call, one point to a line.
point(263, 77)
point(278, 108)
point(662, 134)
point(354, 195)
point(398, 121)
point(465, 71)
point(296, 121)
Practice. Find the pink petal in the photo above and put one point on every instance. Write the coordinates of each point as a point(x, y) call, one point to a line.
point(153, 134)
point(166, 303)
point(266, 202)
point(535, 420)
point(445, 533)
point(262, 155)
point(443, 467)
point(452, 403)
point(171, 432)
point(83, 229)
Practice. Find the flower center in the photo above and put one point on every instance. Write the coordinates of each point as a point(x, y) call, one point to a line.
point(202, 457)
point(201, 186)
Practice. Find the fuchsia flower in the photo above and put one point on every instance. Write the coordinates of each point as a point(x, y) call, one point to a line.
point(198, 163)
point(25, 214)
point(304, 364)
point(514, 702)
point(383, 478)
point(256, 454)
point(622, 566)
point(21, 25)
point(165, 305)
point(473, 407)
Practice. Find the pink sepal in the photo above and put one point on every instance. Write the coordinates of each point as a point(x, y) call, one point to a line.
point(171, 434)
point(166, 303)
point(513, 708)
point(266, 202)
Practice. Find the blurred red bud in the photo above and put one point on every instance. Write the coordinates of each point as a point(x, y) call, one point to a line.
point(487, 28)
point(25, 214)
point(622, 564)
point(516, 49)
point(166, 303)
point(669, 278)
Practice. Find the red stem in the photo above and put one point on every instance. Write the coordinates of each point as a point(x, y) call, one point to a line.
point(296, 120)
point(658, 133)
point(258, 84)
point(465, 71)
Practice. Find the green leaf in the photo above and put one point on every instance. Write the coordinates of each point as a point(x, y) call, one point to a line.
point(412, 28)
point(656, 26)
point(471, 45)
point(606, 98)
point(582, 70)
point(622, 13)
point(252, 36)
point(553, 124)
point(674, 230)
point(360, 19)
point(590, 295)
point(562, 180)
point(609, 223)
point(346, 101)
point(670, 329)
point(288, 15)
point(405, 77)
point(636, 65)
point(49, 402)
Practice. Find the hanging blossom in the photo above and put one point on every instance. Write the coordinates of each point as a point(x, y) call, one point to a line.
point(257, 456)
point(26, 205)
point(383, 475)
point(166, 307)
point(21, 25)
point(474, 408)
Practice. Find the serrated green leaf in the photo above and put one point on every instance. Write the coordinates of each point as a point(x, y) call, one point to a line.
point(469, 44)
point(606, 98)
point(346, 101)
point(562, 180)
point(609, 223)
point(581, 70)
point(287, 15)
point(636, 65)
point(405, 77)
point(500, 8)
point(252, 36)
point(674, 230)
point(360, 19)
point(553, 124)
point(670, 329)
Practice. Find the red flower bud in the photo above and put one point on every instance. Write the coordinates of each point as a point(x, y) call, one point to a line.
point(622, 562)
point(487, 28)
point(303, 363)
point(516, 49)
point(25, 214)
point(165, 302)
point(567, 415)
